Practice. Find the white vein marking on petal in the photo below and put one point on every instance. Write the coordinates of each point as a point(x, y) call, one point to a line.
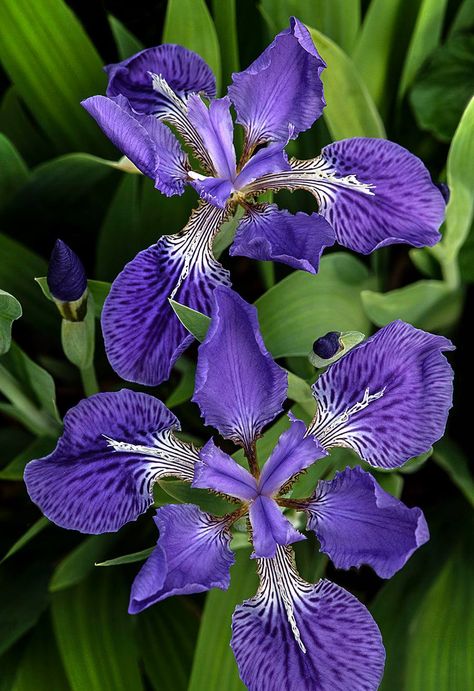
point(325, 431)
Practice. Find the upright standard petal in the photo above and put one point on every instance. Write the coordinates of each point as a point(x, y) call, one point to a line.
point(217, 471)
point(282, 87)
point(388, 398)
point(101, 473)
point(293, 453)
point(192, 555)
point(184, 71)
point(267, 233)
point(143, 337)
point(149, 144)
point(297, 636)
point(270, 528)
point(216, 129)
point(239, 388)
point(357, 523)
point(373, 192)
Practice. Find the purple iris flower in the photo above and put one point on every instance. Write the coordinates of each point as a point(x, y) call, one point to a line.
point(370, 192)
point(388, 399)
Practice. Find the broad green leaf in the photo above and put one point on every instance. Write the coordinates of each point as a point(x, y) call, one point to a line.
point(40, 667)
point(225, 20)
point(42, 43)
point(303, 306)
point(80, 562)
point(40, 447)
point(127, 43)
point(300, 391)
point(350, 110)
point(31, 533)
point(94, 634)
point(10, 310)
point(428, 305)
point(450, 457)
point(195, 322)
point(127, 558)
point(13, 171)
point(167, 635)
point(424, 40)
point(444, 86)
point(464, 19)
point(214, 667)
point(189, 23)
point(18, 126)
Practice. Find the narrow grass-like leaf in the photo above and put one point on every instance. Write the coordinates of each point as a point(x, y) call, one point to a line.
point(195, 322)
point(127, 558)
point(31, 533)
point(41, 446)
point(80, 562)
point(127, 43)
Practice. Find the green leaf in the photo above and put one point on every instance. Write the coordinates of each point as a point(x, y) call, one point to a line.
point(303, 306)
point(424, 40)
point(31, 533)
point(350, 110)
point(195, 322)
point(300, 391)
point(80, 562)
point(40, 667)
point(189, 24)
point(13, 171)
point(127, 43)
point(127, 558)
point(450, 457)
point(214, 666)
point(185, 388)
point(98, 289)
point(42, 43)
point(428, 305)
point(94, 634)
point(225, 20)
point(167, 635)
point(40, 447)
point(78, 338)
point(10, 310)
point(443, 88)
point(17, 124)
point(464, 19)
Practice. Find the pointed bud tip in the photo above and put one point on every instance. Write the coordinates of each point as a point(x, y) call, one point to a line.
point(327, 346)
point(67, 278)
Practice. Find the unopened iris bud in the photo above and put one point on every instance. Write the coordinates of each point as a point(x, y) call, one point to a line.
point(329, 348)
point(67, 282)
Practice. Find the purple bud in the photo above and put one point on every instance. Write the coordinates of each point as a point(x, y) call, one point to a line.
point(67, 279)
point(327, 346)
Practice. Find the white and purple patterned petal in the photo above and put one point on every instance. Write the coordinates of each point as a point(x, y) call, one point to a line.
point(239, 388)
point(146, 141)
point(268, 233)
point(216, 129)
point(217, 471)
point(282, 87)
point(143, 337)
point(293, 453)
point(357, 523)
point(297, 636)
point(270, 528)
point(185, 72)
point(192, 555)
point(373, 192)
point(388, 398)
point(101, 474)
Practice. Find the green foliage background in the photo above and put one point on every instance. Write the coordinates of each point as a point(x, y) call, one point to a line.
point(402, 69)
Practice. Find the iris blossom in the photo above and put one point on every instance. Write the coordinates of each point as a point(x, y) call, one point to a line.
point(370, 192)
point(387, 399)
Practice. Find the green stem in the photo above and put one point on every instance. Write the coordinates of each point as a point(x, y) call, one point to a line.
point(451, 275)
point(89, 380)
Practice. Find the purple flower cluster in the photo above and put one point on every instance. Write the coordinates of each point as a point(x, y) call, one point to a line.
point(370, 192)
point(387, 399)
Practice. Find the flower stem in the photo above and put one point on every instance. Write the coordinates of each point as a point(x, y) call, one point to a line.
point(89, 380)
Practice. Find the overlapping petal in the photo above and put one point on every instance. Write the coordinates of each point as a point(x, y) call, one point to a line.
point(143, 337)
point(271, 158)
point(239, 388)
point(101, 473)
point(357, 523)
point(146, 141)
point(217, 471)
point(192, 555)
point(185, 72)
point(268, 233)
point(270, 528)
point(216, 129)
point(388, 398)
point(297, 636)
point(282, 87)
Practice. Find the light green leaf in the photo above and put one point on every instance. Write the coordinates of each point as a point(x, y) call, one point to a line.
point(214, 667)
point(94, 634)
point(10, 310)
point(13, 171)
point(195, 322)
point(189, 24)
point(42, 43)
point(127, 558)
point(26, 537)
point(304, 307)
point(80, 562)
point(127, 43)
point(450, 457)
point(40, 667)
point(428, 305)
point(350, 110)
